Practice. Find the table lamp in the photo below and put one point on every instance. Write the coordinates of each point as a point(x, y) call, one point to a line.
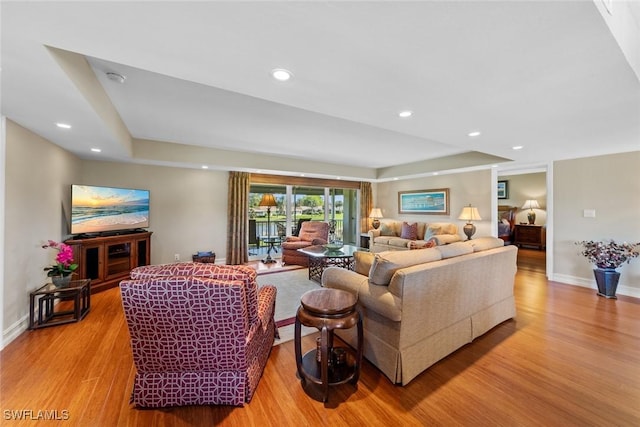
point(469, 213)
point(531, 215)
point(268, 201)
point(375, 214)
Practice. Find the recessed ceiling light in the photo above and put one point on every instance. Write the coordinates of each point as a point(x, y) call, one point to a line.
point(96, 150)
point(474, 133)
point(517, 147)
point(281, 74)
point(405, 114)
point(63, 125)
point(205, 167)
point(115, 77)
point(435, 173)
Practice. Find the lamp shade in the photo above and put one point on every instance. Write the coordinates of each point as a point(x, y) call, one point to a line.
point(267, 200)
point(375, 213)
point(531, 204)
point(469, 213)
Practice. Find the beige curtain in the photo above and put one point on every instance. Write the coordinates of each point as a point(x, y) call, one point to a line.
point(238, 218)
point(366, 204)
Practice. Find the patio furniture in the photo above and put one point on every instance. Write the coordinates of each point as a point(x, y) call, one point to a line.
point(311, 233)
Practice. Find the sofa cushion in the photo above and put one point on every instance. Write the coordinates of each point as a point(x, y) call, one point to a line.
point(363, 261)
point(398, 242)
point(385, 264)
point(485, 243)
point(409, 231)
point(455, 249)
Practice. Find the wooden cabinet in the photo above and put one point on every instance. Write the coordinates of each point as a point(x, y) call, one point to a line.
point(107, 260)
point(530, 235)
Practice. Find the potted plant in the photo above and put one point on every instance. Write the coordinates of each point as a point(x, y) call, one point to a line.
point(61, 271)
point(608, 256)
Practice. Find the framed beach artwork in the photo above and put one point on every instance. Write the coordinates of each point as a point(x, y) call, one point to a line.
point(432, 202)
point(503, 189)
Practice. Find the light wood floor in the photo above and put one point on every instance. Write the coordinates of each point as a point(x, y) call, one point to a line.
point(570, 358)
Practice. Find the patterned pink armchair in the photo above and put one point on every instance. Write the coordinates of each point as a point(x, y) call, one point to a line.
point(311, 233)
point(201, 334)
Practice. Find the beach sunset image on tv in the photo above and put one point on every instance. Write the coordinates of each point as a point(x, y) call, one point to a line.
point(100, 209)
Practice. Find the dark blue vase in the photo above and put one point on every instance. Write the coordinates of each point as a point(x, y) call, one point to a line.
point(607, 281)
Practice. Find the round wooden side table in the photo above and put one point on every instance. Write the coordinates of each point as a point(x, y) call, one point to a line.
point(328, 309)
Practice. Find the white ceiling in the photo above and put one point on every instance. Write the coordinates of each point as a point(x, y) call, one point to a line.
point(548, 76)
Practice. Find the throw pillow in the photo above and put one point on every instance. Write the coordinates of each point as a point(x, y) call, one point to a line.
point(363, 261)
point(422, 244)
point(409, 231)
point(386, 229)
point(432, 230)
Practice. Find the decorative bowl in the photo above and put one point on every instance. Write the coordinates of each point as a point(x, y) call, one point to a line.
point(334, 246)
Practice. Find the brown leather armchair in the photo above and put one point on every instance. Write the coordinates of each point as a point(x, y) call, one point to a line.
point(311, 233)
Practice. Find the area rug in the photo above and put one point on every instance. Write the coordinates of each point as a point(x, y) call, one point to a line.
point(291, 285)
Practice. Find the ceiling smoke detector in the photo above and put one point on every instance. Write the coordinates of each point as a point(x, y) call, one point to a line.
point(118, 78)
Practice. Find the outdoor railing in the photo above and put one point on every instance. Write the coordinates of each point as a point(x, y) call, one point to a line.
point(261, 229)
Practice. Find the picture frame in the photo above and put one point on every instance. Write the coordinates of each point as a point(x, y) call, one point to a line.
point(428, 202)
point(503, 189)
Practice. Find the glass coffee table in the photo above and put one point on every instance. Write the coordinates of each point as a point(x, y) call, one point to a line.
point(321, 258)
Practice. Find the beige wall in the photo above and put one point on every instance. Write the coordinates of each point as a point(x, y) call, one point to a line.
point(464, 188)
point(38, 176)
point(523, 187)
point(611, 186)
point(188, 211)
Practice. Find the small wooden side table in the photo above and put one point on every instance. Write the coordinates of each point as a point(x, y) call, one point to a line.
point(364, 240)
point(48, 297)
point(328, 309)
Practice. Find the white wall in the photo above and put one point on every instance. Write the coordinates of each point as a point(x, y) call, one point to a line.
point(464, 188)
point(610, 185)
point(37, 198)
point(188, 207)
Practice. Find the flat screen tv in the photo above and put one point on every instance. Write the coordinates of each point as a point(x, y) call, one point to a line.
point(96, 210)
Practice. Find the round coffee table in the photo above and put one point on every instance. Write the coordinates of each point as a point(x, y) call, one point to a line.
point(328, 309)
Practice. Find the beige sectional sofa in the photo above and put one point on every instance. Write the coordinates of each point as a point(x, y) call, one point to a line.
point(419, 306)
point(389, 236)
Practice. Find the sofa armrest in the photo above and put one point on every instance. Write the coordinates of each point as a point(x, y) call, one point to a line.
point(373, 233)
point(266, 304)
point(318, 241)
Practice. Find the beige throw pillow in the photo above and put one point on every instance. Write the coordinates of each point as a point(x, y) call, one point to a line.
point(385, 264)
point(363, 262)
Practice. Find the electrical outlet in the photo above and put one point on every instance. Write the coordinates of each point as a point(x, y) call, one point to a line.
point(176, 257)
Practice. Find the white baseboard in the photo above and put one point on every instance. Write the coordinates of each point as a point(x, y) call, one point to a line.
point(14, 331)
point(591, 284)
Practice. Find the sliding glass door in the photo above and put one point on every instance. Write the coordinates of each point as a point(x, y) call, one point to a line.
point(296, 204)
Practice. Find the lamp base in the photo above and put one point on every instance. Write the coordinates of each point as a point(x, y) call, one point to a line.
point(469, 230)
point(531, 216)
point(375, 224)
